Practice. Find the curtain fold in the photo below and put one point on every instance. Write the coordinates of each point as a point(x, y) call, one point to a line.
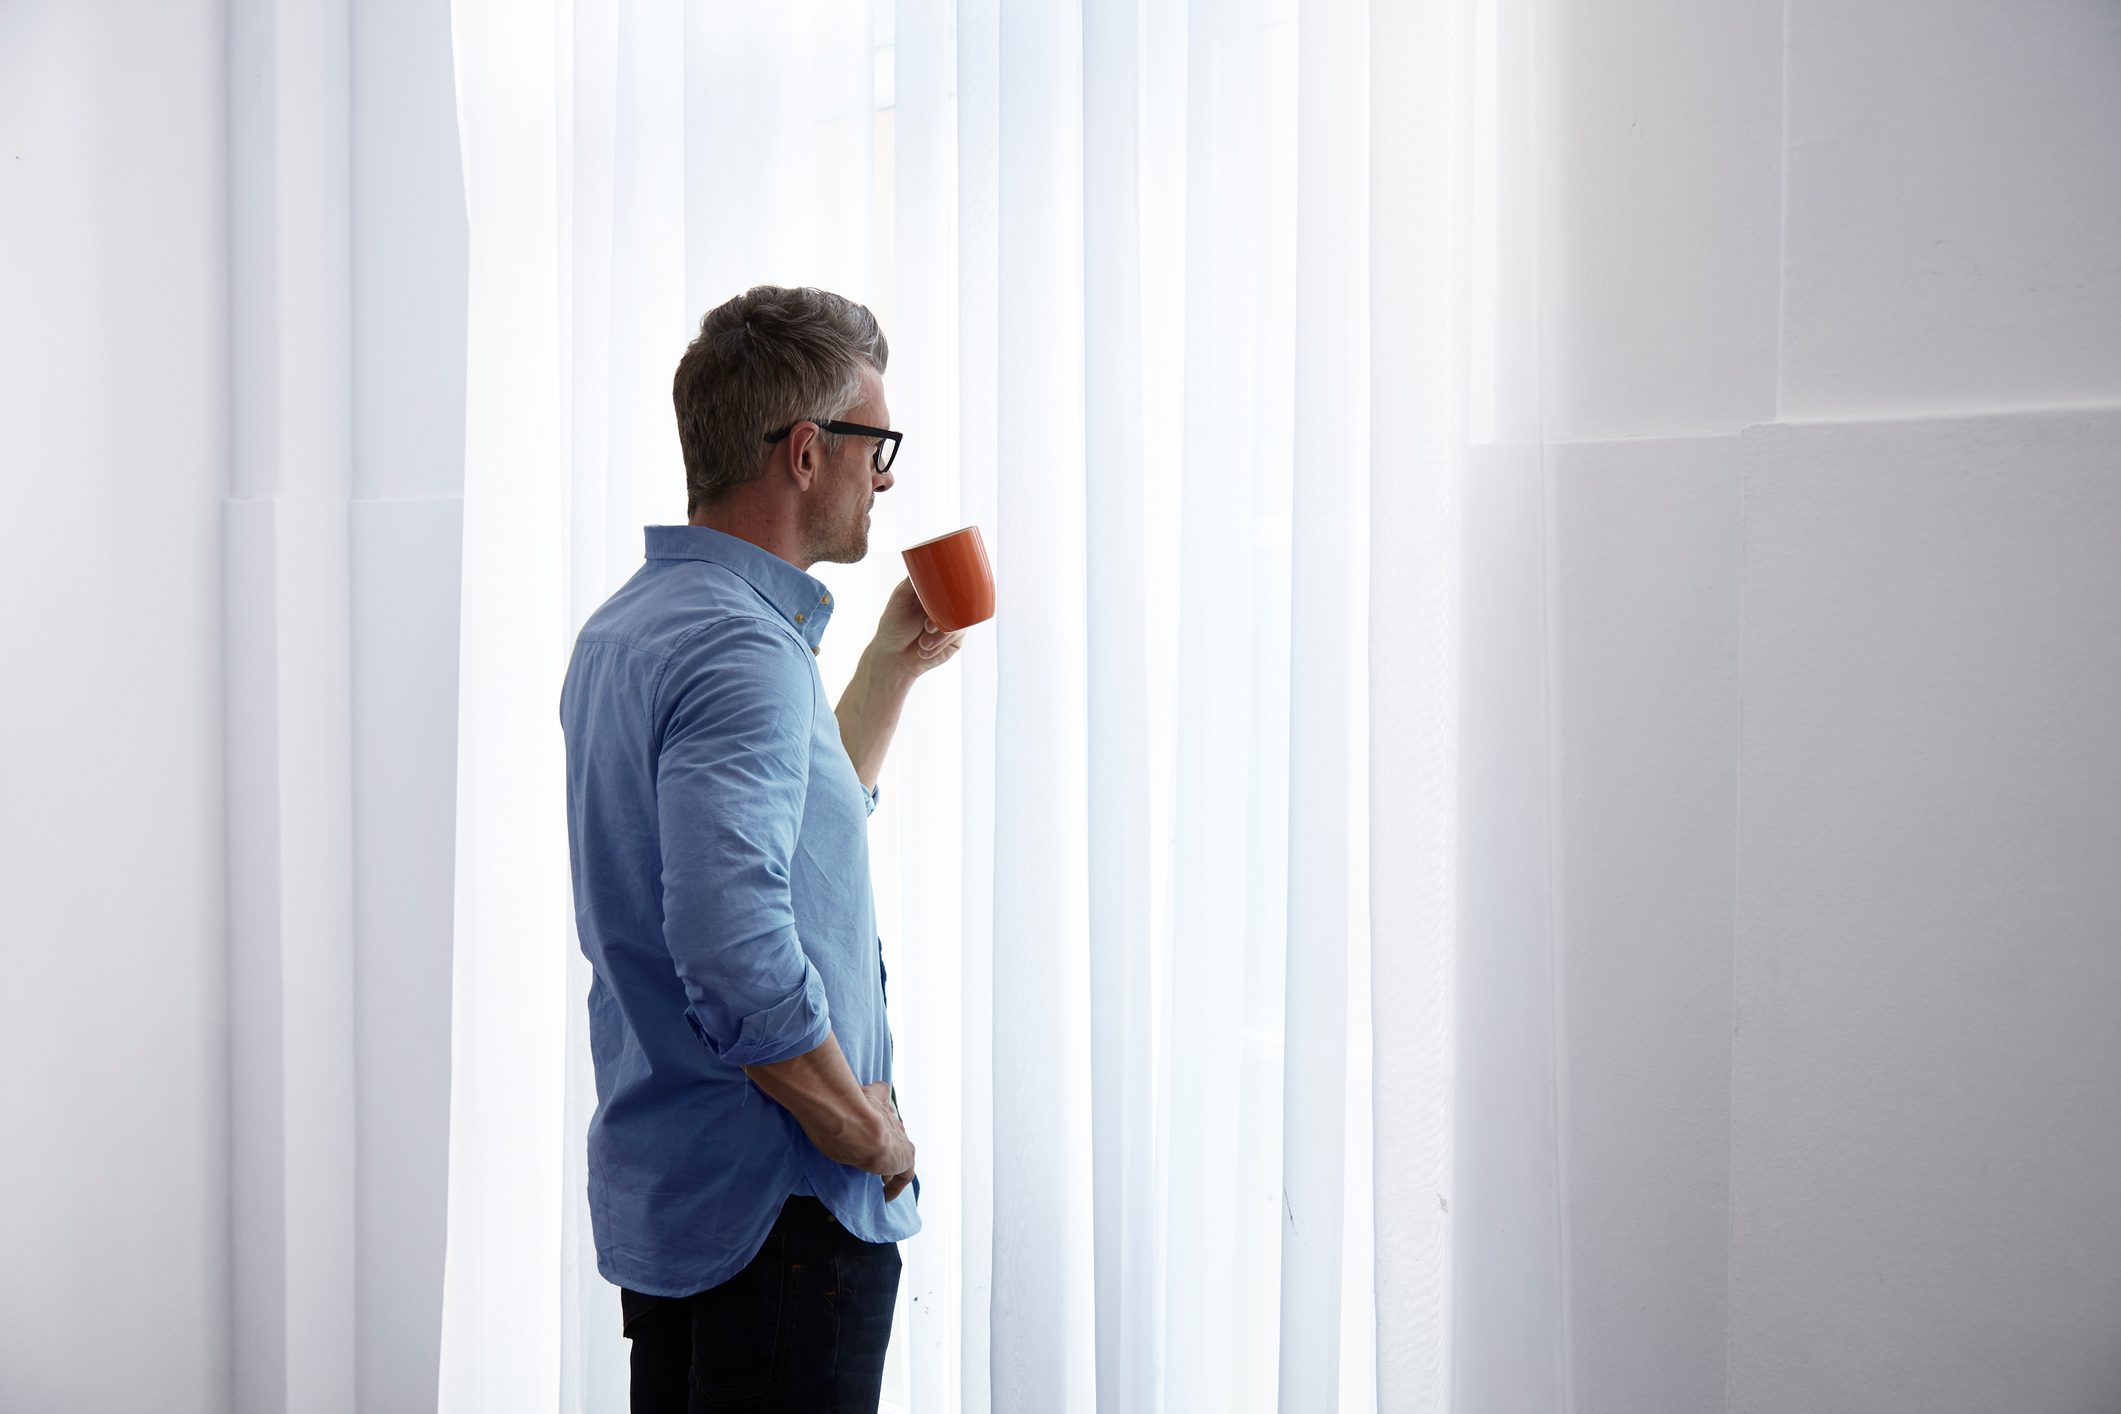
point(1128, 1257)
point(1187, 313)
point(1041, 1342)
point(503, 1264)
point(1322, 1154)
point(1420, 177)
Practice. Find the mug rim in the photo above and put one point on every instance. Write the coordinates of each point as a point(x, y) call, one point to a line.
point(937, 540)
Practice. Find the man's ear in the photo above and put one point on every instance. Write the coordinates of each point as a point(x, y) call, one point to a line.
point(806, 457)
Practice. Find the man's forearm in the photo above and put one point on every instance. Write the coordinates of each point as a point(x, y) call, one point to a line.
point(820, 1090)
point(868, 714)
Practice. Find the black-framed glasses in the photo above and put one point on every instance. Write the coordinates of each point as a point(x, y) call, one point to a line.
point(886, 446)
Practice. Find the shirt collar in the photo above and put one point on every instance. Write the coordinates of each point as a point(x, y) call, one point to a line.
point(798, 597)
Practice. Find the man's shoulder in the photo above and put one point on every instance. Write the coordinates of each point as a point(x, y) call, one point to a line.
point(691, 608)
point(741, 646)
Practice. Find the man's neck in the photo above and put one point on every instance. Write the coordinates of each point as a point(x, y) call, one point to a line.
point(770, 533)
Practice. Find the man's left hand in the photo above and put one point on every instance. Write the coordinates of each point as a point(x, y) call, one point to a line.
point(907, 640)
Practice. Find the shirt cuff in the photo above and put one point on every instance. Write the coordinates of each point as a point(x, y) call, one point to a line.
point(793, 1026)
point(871, 794)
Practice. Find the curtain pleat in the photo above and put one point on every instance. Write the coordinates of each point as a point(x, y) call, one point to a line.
point(979, 152)
point(1122, 623)
point(1041, 1338)
point(934, 762)
point(502, 1286)
point(1331, 439)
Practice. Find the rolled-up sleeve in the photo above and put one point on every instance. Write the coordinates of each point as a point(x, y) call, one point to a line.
point(737, 703)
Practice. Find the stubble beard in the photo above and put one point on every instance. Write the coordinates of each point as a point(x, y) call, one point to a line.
point(851, 545)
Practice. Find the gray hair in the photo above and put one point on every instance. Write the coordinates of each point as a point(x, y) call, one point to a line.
point(770, 357)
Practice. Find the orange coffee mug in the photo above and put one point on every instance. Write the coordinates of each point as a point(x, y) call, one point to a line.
point(953, 578)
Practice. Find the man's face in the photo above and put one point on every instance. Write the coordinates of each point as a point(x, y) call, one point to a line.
point(839, 507)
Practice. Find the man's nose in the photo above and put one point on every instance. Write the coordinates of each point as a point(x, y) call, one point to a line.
point(882, 481)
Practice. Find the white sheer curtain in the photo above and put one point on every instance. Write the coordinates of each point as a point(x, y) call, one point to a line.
point(1195, 311)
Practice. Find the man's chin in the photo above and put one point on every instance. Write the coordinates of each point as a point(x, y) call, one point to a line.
point(852, 552)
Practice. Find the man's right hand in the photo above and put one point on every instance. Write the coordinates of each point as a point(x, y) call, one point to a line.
point(898, 1161)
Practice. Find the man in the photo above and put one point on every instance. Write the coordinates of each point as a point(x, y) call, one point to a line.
point(749, 1175)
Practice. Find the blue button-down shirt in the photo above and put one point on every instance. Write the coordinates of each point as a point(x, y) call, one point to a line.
point(719, 839)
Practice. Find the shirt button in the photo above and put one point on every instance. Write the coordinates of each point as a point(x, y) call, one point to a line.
point(813, 650)
point(798, 618)
point(826, 600)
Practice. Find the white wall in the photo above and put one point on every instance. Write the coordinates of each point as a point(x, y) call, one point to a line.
point(1835, 676)
point(113, 452)
point(231, 371)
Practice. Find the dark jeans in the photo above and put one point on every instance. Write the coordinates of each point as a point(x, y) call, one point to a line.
point(803, 1328)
